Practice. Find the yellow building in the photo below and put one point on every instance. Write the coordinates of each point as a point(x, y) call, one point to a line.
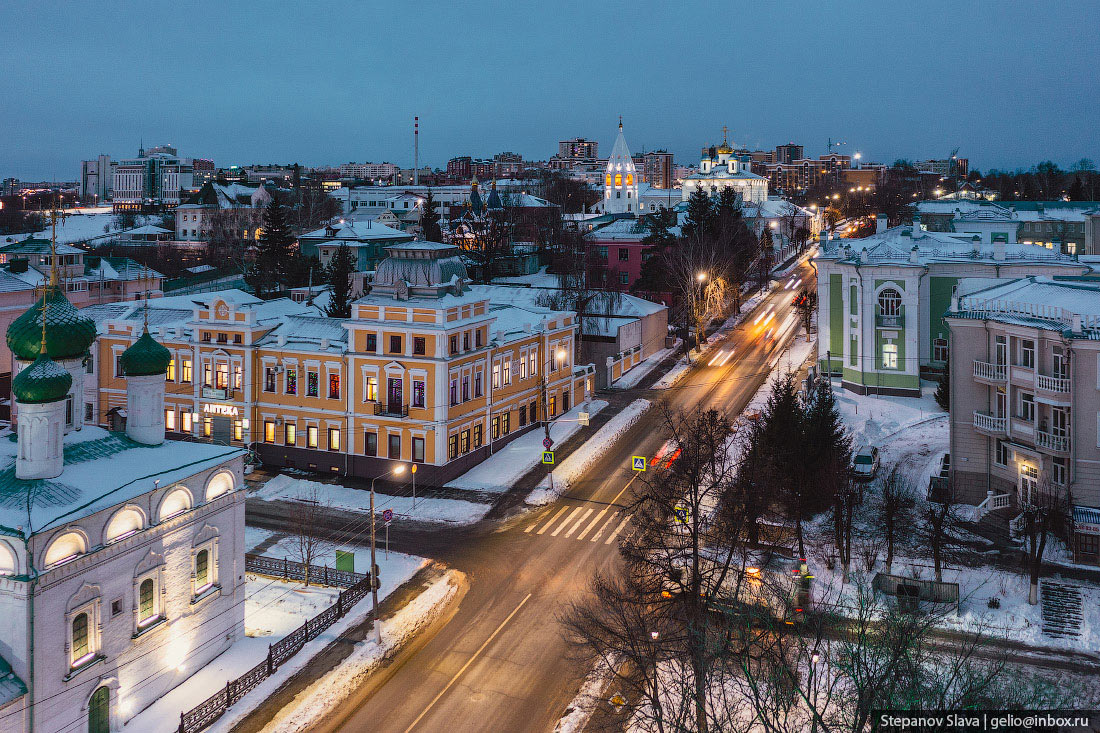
point(425, 370)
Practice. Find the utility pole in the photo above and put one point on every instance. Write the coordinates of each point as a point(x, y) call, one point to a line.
point(416, 150)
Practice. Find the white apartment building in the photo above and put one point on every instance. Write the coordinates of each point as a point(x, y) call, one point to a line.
point(1025, 398)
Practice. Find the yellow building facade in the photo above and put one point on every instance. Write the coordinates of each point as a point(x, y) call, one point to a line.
point(424, 371)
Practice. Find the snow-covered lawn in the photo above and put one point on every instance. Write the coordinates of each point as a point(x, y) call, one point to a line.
point(310, 706)
point(635, 375)
point(582, 458)
point(684, 363)
point(273, 608)
point(500, 471)
point(334, 496)
point(874, 418)
point(394, 568)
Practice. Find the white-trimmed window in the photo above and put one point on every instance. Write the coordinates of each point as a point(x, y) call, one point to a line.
point(204, 567)
point(889, 356)
point(8, 564)
point(939, 349)
point(170, 419)
point(1027, 407)
point(1059, 472)
point(147, 600)
point(1001, 453)
point(889, 302)
point(186, 419)
point(221, 483)
point(1027, 353)
point(81, 642)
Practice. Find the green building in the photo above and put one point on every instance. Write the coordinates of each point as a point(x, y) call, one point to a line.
point(881, 299)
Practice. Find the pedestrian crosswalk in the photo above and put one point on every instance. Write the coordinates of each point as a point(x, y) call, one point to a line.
point(583, 523)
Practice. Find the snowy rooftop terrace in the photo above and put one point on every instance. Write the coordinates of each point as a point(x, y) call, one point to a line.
point(102, 469)
point(1072, 305)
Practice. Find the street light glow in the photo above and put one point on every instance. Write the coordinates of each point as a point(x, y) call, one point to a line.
point(701, 276)
point(400, 469)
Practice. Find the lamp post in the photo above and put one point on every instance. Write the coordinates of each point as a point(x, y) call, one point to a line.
point(560, 355)
point(700, 278)
point(396, 471)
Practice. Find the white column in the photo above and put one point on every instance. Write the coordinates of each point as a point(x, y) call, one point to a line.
point(40, 433)
point(145, 409)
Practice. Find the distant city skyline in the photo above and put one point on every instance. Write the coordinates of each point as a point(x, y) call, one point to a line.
point(300, 84)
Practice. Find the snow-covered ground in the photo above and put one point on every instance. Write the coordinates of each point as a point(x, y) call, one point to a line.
point(684, 363)
point(541, 279)
point(314, 703)
point(582, 458)
point(273, 609)
point(82, 227)
point(334, 496)
point(635, 375)
point(875, 418)
point(500, 471)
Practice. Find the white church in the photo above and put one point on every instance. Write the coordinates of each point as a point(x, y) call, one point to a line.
point(121, 554)
point(721, 168)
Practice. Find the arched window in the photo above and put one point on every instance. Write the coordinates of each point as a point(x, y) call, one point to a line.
point(202, 570)
point(630, 179)
point(125, 523)
point(79, 646)
point(221, 483)
point(145, 600)
point(7, 560)
point(618, 180)
point(607, 179)
point(66, 547)
point(176, 502)
point(889, 302)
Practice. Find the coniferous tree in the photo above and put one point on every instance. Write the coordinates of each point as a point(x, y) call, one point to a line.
point(943, 390)
point(699, 218)
point(827, 445)
point(429, 220)
point(274, 254)
point(338, 273)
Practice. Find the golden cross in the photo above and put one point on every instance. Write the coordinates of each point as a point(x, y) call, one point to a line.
point(725, 131)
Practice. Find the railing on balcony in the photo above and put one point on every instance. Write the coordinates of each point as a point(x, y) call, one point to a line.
point(1052, 384)
point(990, 371)
point(1045, 440)
point(388, 409)
point(988, 423)
point(897, 321)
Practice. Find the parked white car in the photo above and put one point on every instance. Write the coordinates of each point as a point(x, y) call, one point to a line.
point(865, 463)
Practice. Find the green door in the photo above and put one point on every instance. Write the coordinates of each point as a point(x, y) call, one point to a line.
point(99, 711)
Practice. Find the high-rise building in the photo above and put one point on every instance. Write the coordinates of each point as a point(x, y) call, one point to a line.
point(154, 179)
point(96, 179)
point(578, 148)
point(10, 187)
point(657, 169)
point(788, 153)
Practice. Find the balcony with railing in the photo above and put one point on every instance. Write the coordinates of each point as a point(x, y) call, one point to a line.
point(990, 372)
point(895, 321)
point(989, 425)
point(391, 409)
point(1051, 442)
point(1054, 385)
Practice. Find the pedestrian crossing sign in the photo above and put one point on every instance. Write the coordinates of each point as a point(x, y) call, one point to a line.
point(682, 514)
point(548, 457)
point(639, 463)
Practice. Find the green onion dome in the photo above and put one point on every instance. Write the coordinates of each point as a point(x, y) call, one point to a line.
point(145, 357)
point(43, 381)
point(69, 333)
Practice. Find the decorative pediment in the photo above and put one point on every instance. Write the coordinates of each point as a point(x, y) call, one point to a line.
point(87, 593)
point(394, 366)
point(150, 561)
point(206, 534)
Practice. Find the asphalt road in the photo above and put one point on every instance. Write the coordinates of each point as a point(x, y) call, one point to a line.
point(501, 663)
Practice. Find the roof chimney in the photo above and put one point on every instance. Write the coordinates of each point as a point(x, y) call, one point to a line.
point(917, 232)
point(914, 254)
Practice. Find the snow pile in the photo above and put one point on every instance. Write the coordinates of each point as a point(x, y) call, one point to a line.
point(326, 694)
point(584, 704)
point(394, 568)
point(581, 459)
point(334, 496)
point(500, 471)
point(635, 375)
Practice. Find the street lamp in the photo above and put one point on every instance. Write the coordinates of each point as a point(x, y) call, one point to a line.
point(396, 471)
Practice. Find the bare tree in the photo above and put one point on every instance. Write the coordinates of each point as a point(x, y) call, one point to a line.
point(1045, 511)
point(308, 512)
point(937, 524)
point(895, 506)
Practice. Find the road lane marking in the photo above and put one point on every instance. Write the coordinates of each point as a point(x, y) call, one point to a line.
point(594, 523)
point(580, 521)
point(728, 357)
point(547, 525)
point(535, 523)
point(468, 663)
point(617, 530)
point(566, 521)
point(606, 524)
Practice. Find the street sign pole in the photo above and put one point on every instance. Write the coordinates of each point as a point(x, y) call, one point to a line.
point(387, 540)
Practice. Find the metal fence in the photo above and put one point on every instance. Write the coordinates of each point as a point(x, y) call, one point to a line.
point(290, 570)
point(209, 710)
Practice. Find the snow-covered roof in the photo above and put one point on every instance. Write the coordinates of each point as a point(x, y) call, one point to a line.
point(146, 229)
point(357, 230)
point(774, 207)
point(1057, 303)
point(308, 332)
point(900, 245)
point(117, 268)
point(608, 312)
point(38, 245)
point(10, 283)
point(102, 469)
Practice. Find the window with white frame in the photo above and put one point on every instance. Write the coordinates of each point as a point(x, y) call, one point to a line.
point(148, 611)
point(890, 356)
point(1027, 353)
point(1027, 407)
point(81, 641)
point(939, 349)
point(1059, 471)
point(204, 571)
point(1001, 453)
point(889, 302)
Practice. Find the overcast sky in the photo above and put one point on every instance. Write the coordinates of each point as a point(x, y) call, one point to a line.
point(1009, 84)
